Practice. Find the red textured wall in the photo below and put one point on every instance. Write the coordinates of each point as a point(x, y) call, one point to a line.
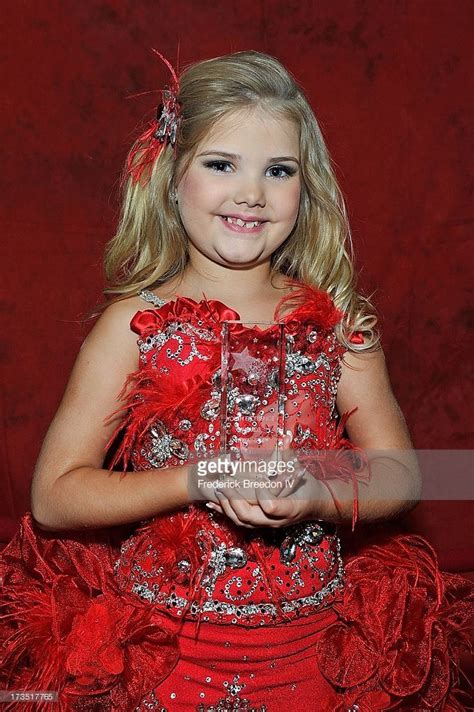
point(390, 84)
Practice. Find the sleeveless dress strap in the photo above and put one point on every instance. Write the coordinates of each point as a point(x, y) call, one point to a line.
point(151, 298)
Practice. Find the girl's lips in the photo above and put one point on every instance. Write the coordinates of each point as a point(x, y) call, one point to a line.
point(237, 228)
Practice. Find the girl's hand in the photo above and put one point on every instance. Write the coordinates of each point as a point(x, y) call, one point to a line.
point(242, 478)
point(296, 501)
point(207, 477)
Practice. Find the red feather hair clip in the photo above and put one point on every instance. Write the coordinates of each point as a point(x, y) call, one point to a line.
point(160, 133)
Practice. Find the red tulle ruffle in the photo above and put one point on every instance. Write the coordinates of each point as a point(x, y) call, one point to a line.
point(66, 627)
point(402, 625)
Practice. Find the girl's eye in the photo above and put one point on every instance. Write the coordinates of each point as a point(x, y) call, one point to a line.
point(218, 166)
point(274, 171)
point(281, 171)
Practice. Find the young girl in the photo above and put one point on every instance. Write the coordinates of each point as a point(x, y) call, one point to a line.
point(145, 577)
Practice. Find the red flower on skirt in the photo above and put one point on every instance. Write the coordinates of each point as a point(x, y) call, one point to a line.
point(94, 651)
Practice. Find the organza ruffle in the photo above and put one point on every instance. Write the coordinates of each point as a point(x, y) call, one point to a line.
point(402, 626)
point(66, 627)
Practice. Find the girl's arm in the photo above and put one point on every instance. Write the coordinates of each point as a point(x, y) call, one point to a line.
point(70, 488)
point(378, 427)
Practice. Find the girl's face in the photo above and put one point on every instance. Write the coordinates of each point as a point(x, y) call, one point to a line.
point(240, 196)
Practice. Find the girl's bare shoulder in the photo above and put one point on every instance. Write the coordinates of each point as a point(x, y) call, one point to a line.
point(111, 333)
point(121, 311)
point(113, 324)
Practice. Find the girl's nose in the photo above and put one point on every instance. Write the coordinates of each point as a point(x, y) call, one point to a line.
point(250, 192)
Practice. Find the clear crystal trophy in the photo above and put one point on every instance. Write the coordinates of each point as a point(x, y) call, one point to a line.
point(252, 405)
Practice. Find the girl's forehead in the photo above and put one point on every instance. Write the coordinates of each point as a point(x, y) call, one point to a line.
point(252, 123)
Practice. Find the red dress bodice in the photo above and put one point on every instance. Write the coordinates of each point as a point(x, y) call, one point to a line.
point(196, 563)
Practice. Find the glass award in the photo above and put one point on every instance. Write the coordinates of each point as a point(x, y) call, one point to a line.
point(252, 406)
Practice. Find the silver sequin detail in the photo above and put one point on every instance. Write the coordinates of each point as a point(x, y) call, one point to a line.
point(151, 298)
point(150, 702)
point(308, 535)
point(239, 612)
point(163, 446)
point(184, 424)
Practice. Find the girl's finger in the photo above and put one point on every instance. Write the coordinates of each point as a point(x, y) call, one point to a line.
point(214, 506)
point(280, 508)
point(244, 511)
point(228, 510)
point(247, 515)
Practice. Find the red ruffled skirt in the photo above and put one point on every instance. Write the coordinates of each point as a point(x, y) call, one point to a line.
point(392, 640)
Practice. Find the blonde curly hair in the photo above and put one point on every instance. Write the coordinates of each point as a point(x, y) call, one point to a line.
point(151, 246)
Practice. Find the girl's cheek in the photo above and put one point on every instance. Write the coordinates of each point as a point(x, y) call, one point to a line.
point(199, 193)
point(293, 197)
point(189, 190)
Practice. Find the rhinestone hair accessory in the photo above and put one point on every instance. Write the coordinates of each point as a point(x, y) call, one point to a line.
point(161, 132)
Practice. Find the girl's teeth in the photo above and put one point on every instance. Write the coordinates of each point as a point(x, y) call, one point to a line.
point(241, 223)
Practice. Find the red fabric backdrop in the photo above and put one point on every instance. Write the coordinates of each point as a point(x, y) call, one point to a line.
point(390, 84)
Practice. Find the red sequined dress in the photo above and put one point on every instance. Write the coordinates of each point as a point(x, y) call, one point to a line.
point(188, 611)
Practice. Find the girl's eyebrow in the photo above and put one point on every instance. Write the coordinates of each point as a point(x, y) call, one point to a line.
point(235, 156)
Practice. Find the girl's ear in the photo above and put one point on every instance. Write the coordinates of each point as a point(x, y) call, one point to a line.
point(174, 195)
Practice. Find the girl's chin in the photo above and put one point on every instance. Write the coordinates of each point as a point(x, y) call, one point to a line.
point(239, 259)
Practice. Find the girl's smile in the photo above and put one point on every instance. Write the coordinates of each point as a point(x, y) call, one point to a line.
point(239, 198)
point(243, 225)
